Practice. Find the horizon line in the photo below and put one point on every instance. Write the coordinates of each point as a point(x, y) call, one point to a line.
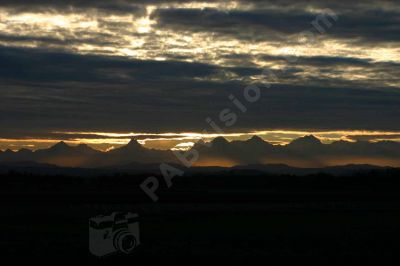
point(75, 143)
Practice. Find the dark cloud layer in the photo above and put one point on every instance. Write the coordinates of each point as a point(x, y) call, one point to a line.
point(370, 25)
point(39, 65)
point(119, 6)
point(44, 92)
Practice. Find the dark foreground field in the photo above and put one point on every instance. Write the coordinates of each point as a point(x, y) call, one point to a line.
point(226, 218)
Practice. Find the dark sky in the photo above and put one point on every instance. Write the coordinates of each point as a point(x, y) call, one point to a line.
point(165, 66)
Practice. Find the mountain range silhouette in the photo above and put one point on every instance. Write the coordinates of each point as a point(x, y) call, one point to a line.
point(307, 151)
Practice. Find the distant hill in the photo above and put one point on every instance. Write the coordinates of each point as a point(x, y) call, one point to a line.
point(139, 168)
point(305, 152)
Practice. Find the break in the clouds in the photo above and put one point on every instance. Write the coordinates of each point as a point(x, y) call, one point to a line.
point(164, 66)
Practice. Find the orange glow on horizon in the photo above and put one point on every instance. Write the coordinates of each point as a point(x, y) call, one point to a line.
point(179, 140)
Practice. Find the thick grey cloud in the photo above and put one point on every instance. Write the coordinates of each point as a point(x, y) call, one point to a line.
point(366, 25)
point(119, 6)
point(39, 65)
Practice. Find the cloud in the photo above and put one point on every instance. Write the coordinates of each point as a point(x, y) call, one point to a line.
point(123, 66)
point(119, 6)
point(39, 65)
point(204, 32)
point(367, 25)
point(55, 91)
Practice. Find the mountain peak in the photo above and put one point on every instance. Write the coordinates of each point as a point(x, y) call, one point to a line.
point(341, 142)
point(60, 147)
point(9, 151)
point(200, 142)
point(134, 143)
point(256, 139)
point(132, 146)
point(307, 140)
point(220, 141)
point(84, 148)
point(61, 144)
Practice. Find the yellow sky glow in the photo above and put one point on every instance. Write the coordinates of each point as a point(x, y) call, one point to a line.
point(184, 140)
